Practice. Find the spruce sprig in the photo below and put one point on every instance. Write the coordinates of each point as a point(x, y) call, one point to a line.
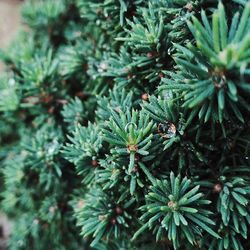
point(176, 207)
point(209, 70)
point(130, 134)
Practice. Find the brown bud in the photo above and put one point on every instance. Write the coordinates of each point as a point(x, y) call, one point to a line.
point(118, 210)
point(144, 97)
point(45, 226)
point(132, 148)
point(137, 158)
point(172, 205)
point(94, 163)
point(49, 30)
point(85, 66)
point(166, 241)
point(231, 144)
point(129, 76)
point(82, 95)
point(150, 54)
point(46, 98)
point(113, 221)
point(51, 110)
point(217, 188)
point(62, 101)
point(135, 169)
point(80, 203)
point(64, 82)
point(161, 75)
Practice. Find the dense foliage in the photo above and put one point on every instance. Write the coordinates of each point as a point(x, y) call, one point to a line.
point(125, 125)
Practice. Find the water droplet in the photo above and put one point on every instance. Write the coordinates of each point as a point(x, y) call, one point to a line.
point(12, 82)
point(102, 67)
point(167, 130)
